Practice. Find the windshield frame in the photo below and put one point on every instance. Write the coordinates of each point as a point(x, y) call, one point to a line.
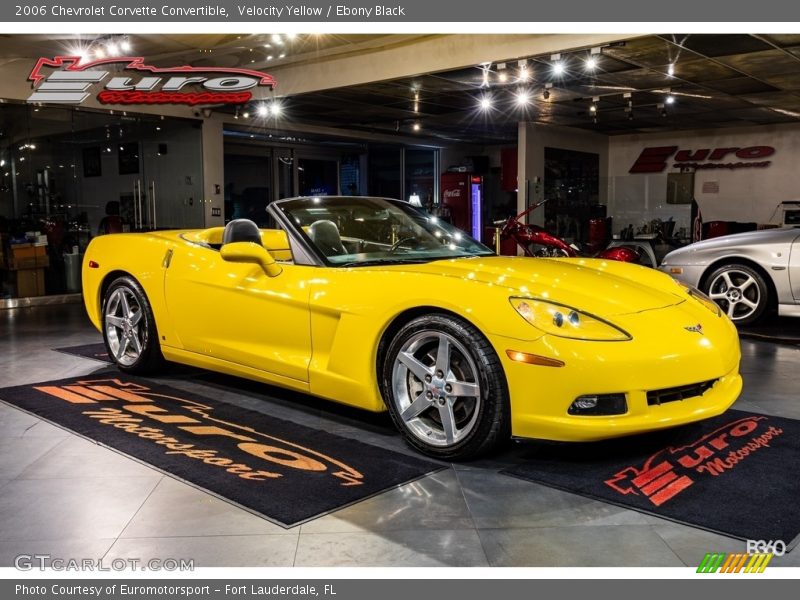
point(310, 249)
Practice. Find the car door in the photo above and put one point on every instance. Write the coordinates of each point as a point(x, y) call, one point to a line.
point(235, 312)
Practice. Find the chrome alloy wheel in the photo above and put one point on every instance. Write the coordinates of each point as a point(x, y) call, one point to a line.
point(736, 292)
point(436, 388)
point(126, 330)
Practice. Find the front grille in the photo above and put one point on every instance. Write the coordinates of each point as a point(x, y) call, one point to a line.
point(682, 392)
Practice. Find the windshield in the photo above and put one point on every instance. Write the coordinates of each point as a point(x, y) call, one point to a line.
point(359, 231)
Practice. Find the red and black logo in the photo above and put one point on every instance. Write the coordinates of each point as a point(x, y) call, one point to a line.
point(670, 471)
point(135, 82)
point(655, 159)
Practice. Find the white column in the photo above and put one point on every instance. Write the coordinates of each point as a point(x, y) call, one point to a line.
point(213, 173)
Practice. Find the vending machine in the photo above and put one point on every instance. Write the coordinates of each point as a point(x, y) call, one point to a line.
point(462, 196)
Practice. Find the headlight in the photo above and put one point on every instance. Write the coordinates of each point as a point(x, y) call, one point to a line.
point(701, 298)
point(564, 321)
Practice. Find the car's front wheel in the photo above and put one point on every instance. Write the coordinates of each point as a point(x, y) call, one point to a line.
point(740, 291)
point(445, 388)
point(129, 328)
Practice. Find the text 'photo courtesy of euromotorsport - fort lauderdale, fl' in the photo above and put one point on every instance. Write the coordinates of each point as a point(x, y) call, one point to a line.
point(296, 299)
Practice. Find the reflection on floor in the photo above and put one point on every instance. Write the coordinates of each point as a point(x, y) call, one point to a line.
point(64, 496)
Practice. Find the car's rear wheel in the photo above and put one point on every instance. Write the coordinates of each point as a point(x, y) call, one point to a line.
point(445, 388)
point(740, 291)
point(129, 329)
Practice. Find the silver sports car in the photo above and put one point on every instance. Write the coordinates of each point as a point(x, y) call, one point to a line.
point(745, 273)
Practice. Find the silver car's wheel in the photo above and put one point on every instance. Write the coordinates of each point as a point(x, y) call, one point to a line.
point(740, 292)
point(126, 331)
point(436, 389)
point(444, 386)
point(129, 329)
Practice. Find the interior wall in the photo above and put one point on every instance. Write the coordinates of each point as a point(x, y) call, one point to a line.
point(743, 195)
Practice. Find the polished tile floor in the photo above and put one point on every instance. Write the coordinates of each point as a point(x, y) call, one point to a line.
point(68, 497)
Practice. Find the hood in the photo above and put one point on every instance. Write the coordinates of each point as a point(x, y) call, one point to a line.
point(604, 288)
point(748, 238)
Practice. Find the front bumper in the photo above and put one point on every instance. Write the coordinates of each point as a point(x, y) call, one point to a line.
point(662, 354)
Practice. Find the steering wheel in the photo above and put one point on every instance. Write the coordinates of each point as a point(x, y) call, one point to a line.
point(396, 245)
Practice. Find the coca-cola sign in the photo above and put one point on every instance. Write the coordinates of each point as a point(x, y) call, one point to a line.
point(656, 159)
point(68, 80)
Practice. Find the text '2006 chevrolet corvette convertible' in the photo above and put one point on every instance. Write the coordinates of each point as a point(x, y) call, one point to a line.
point(379, 305)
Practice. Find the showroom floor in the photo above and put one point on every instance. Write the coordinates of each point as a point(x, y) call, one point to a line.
point(68, 497)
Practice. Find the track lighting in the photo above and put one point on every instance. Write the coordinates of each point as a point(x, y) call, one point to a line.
point(524, 73)
point(262, 110)
point(671, 70)
point(558, 66)
point(523, 98)
point(670, 99)
point(591, 63)
point(417, 126)
point(485, 103)
point(546, 92)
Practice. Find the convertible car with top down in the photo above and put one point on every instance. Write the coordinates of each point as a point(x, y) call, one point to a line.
point(376, 304)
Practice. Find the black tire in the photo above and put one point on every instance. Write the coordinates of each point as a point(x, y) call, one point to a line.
point(490, 416)
point(149, 360)
point(755, 292)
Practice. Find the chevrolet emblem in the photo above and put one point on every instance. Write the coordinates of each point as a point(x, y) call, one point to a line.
point(695, 328)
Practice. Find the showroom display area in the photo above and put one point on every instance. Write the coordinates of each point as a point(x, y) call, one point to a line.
point(92, 501)
point(369, 300)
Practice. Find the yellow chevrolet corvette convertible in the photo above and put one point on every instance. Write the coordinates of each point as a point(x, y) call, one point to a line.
point(379, 305)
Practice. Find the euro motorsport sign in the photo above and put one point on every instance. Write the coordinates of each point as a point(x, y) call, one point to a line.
point(130, 80)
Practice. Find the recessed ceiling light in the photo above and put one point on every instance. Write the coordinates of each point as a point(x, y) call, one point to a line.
point(591, 63)
point(485, 103)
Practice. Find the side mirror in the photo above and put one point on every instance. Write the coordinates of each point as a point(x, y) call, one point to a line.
point(248, 252)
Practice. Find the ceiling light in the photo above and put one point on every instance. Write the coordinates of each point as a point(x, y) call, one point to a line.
point(558, 68)
point(502, 76)
point(416, 107)
point(270, 57)
point(671, 70)
point(485, 103)
point(277, 109)
point(524, 73)
point(282, 55)
point(99, 53)
point(417, 126)
point(262, 110)
point(112, 49)
point(276, 37)
point(125, 45)
point(591, 63)
point(593, 107)
point(246, 115)
point(523, 98)
point(670, 99)
point(236, 113)
point(291, 36)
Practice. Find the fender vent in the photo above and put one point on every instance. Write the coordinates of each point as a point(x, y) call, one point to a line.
point(682, 392)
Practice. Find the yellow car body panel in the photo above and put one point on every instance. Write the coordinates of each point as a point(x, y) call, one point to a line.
point(318, 329)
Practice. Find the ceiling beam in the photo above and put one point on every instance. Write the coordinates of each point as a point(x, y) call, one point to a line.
point(420, 56)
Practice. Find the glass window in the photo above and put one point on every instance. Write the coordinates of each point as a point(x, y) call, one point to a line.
point(317, 177)
point(419, 176)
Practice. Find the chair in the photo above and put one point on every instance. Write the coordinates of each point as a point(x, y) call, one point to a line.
point(241, 230)
point(325, 236)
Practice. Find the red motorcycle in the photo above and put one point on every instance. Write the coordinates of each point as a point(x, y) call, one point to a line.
point(536, 241)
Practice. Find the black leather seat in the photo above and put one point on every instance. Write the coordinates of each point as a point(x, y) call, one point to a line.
point(325, 236)
point(241, 230)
